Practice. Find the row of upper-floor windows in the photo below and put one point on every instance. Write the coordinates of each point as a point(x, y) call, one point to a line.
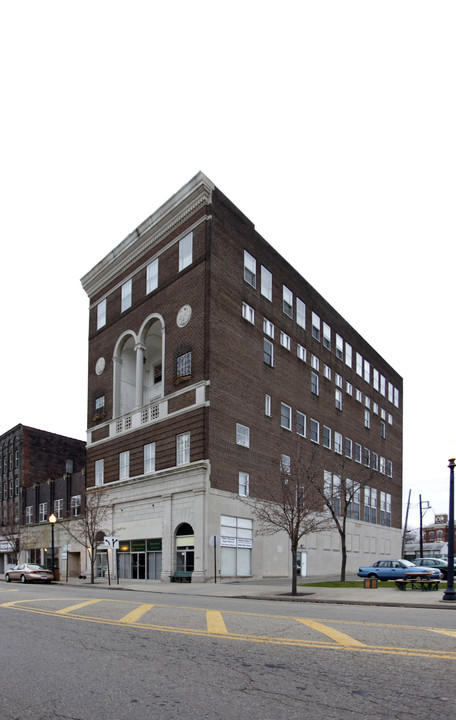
point(149, 458)
point(294, 307)
point(152, 279)
point(10, 488)
point(58, 510)
point(9, 460)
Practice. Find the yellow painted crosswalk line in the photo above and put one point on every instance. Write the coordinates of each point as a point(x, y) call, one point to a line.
point(135, 615)
point(72, 608)
point(215, 622)
point(450, 633)
point(338, 637)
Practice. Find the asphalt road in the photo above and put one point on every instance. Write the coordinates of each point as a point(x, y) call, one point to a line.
point(71, 653)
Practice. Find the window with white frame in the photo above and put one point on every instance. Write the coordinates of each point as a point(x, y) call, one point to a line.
point(338, 398)
point(268, 352)
point(300, 423)
point(287, 301)
point(75, 505)
point(375, 408)
point(152, 276)
point(242, 435)
point(58, 508)
point(185, 251)
point(374, 461)
point(300, 313)
point(268, 328)
point(348, 355)
point(338, 442)
point(267, 405)
point(285, 340)
point(99, 472)
point(248, 313)
point(301, 352)
point(396, 397)
point(349, 388)
point(382, 385)
point(390, 392)
point(389, 468)
point(382, 429)
point(29, 514)
point(124, 465)
point(348, 448)
point(315, 362)
point(367, 401)
point(326, 437)
point(367, 419)
point(183, 448)
point(314, 430)
point(338, 380)
point(390, 419)
point(367, 371)
point(285, 416)
point(249, 269)
point(358, 457)
point(359, 395)
point(339, 347)
point(184, 364)
point(266, 283)
point(375, 379)
point(326, 336)
point(359, 364)
point(285, 464)
point(314, 383)
point(149, 458)
point(385, 509)
point(316, 326)
point(327, 372)
point(126, 295)
point(42, 512)
point(333, 490)
point(101, 314)
point(382, 465)
point(367, 457)
point(244, 481)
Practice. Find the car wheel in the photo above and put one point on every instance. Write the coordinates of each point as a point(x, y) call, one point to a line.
point(23, 579)
point(373, 575)
point(7, 578)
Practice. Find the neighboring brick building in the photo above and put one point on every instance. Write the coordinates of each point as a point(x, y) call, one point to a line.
point(30, 461)
point(205, 349)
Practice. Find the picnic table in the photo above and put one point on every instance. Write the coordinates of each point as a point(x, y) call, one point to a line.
point(417, 584)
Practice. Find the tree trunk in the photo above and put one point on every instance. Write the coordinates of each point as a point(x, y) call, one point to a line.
point(294, 570)
point(344, 560)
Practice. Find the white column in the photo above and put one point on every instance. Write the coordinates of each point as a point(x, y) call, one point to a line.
point(140, 350)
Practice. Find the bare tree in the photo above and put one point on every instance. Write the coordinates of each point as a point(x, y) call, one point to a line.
point(88, 529)
point(11, 532)
point(290, 503)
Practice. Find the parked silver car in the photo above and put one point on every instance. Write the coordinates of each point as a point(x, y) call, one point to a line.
point(29, 572)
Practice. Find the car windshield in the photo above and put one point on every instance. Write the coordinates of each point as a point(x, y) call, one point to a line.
point(36, 567)
point(407, 563)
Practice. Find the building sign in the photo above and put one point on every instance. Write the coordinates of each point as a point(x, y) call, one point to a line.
point(240, 542)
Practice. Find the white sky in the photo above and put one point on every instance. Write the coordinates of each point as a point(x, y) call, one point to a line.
point(331, 125)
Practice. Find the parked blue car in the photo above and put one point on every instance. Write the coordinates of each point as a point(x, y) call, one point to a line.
point(395, 570)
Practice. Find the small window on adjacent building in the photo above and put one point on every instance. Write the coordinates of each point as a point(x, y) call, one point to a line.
point(348, 354)
point(249, 269)
point(266, 283)
point(285, 464)
point(326, 336)
point(348, 448)
point(75, 505)
point(268, 352)
point(285, 416)
point(326, 439)
point(338, 442)
point(101, 314)
point(29, 514)
point(268, 328)
point(58, 508)
point(99, 472)
point(185, 251)
point(149, 458)
point(244, 481)
point(42, 512)
point(314, 431)
point(124, 465)
point(267, 405)
point(300, 313)
point(285, 340)
point(184, 364)
point(248, 313)
point(152, 276)
point(242, 435)
point(314, 383)
point(339, 347)
point(126, 295)
point(287, 301)
point(183, 449)
point(301, 352)
point(357, 452)
point(315, 326)
point(300, 424)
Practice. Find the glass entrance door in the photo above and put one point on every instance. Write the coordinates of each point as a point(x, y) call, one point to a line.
point(138, 565)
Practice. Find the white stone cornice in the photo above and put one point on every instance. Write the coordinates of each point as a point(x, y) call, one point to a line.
point(191, 197)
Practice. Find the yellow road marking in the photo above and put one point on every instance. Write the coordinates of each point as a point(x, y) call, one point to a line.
point(215, 622)
point(72, 608)
point(336, 635)
point(136, 614)
point(451, 633)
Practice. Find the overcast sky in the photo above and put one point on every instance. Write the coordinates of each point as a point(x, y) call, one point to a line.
point(331, 125)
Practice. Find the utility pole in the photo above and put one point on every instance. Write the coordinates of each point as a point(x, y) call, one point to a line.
point(421, 521)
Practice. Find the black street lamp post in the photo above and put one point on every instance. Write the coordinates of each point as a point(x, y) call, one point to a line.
point(52, 520)
point(450, 593)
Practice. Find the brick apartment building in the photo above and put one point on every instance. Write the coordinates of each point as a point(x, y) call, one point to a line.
point(210, 357)
point(31, 463)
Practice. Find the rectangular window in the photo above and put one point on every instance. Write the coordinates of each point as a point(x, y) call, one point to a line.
point(359, 364)
point(285, 416)
point(29, 514)
point(249, 269)
point(267, 405)
point(43, 512)
point(367, 421)
point(99, 472)
point(183, 449)
point(16, 459)
point(248, 313)
point(16, 486)
point(327, 372)
point(315, 326)
point(149, 458)
point(374, 461)
point(100, 404)
point(367, 457)
point(58, 508)
point(389, 468)
point(339, 381)
point(285, 464)
point(382, 465)
point(348, 355)
point(300, 424)
point(101, 314)
point(374, 505)
point(184, 364)
point(244, 481)
point(301, 352)
point(75, 505)
point(300, 313)
point(367, 371)
point(11, 488)
point(287, 301)
point(357, 453)
point(382, 385)
point(126, 295)
point(339, 347)
point(314, 431)
point(124, 465)
point(152, 276)
point(338, 442)
point(326, 336)
point(314, 383)
point(285, 340)
point(268, 328)
point(396, 397)
point(348, 448)
point(326, 440)
point(315, 362)
point(268, 352)
point(266, 283)
point(185, 251)
point(242, 435)
point(390, 392)
point(338, 397)
point(376, 379)
point(349, 388)
point(382, 429)
point(359, 396)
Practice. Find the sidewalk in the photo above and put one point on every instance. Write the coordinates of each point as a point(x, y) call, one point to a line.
point(279, 590)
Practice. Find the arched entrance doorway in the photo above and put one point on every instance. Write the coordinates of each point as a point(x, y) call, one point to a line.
point(185, 548)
